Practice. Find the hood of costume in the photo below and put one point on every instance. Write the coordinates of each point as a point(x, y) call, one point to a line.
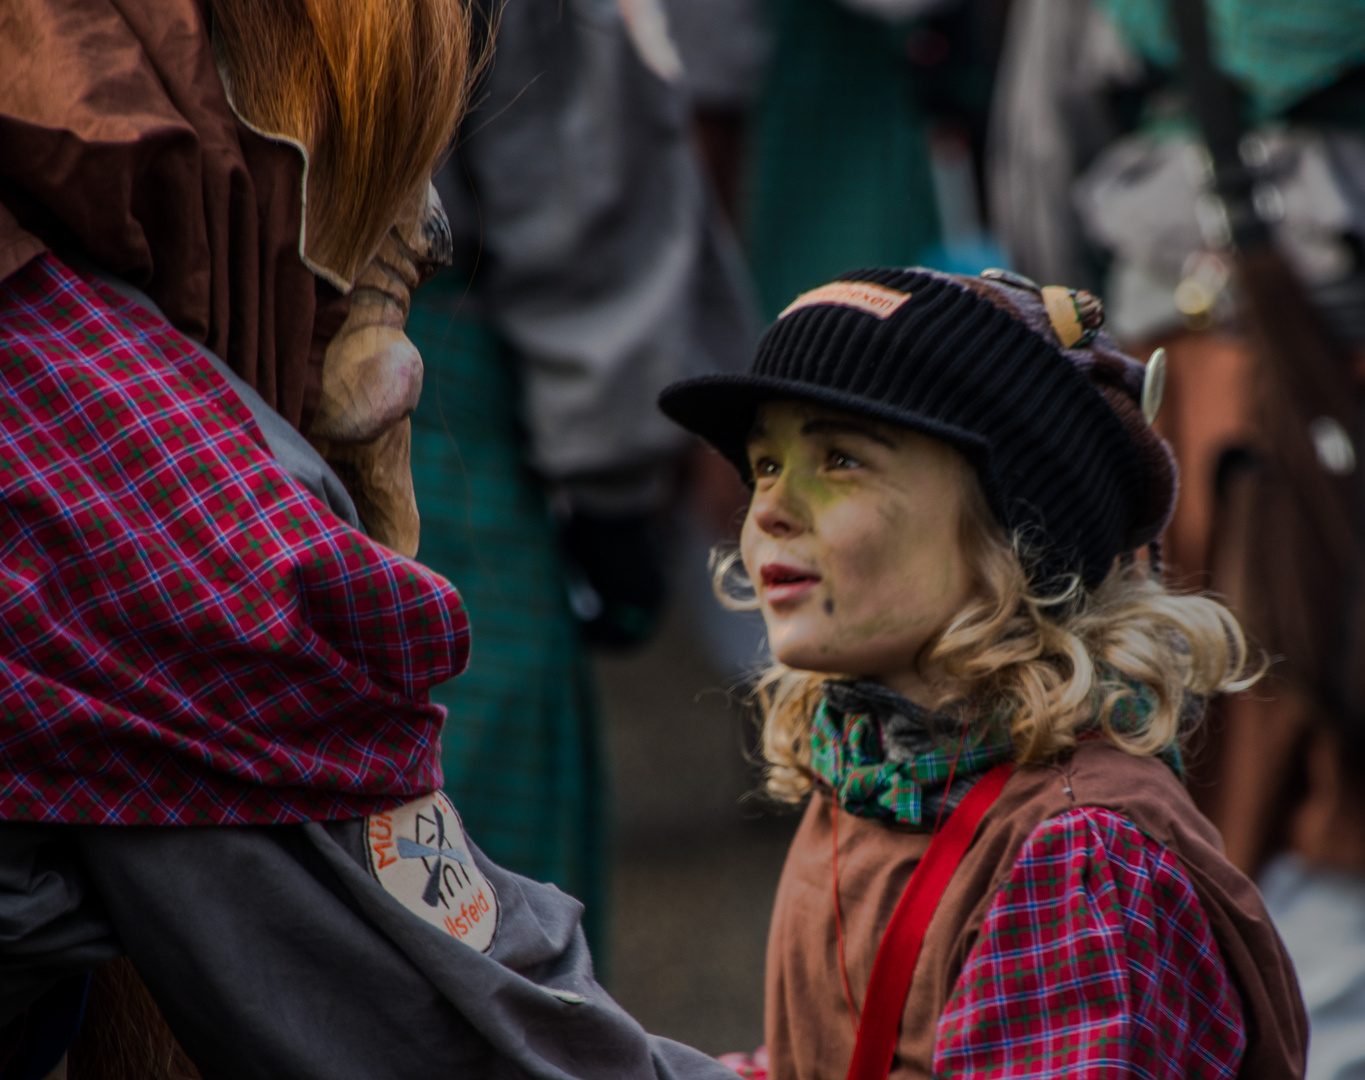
point(187, 636)
point(119, 142)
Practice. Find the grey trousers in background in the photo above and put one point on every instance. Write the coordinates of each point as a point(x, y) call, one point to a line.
point(273, 952)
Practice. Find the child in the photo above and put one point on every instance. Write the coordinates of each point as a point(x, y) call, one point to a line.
point(984, 696)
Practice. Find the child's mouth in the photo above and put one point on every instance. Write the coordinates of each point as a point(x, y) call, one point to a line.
point(782, 582)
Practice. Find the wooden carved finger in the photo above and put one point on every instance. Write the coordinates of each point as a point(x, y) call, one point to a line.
point(372, 376)
point(372, 373)
point(378, 474)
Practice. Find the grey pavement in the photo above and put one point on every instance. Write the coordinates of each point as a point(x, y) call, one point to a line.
point(697, 855)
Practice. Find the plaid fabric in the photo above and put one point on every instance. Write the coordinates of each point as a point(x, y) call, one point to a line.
point(1095, 960)
point(850, 751)
point(1127, 707)
point(889, 758)
point(847, 752)
point(186, 635)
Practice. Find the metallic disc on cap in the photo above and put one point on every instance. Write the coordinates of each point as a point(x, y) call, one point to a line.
point(1009, 277)
point(1153, 385)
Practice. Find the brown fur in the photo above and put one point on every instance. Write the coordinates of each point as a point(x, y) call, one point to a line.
point(124, 1036)
point(372, 88)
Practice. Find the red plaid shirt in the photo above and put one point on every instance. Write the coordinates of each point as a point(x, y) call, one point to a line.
point(186, 635)
point(1095, 961)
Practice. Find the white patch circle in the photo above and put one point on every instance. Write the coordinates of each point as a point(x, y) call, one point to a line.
point(419, 855)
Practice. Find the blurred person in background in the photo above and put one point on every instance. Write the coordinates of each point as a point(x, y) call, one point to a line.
point(590, 270)
point(1099, 174)
point(865, 138)
point(724, 46)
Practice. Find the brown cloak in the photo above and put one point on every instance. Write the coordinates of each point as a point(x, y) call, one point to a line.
point(117, 143)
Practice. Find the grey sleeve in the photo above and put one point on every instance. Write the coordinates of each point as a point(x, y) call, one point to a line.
point(605, 267)
point(52, 926)
point(724, 46)
point(273, 952)
point(533, 996)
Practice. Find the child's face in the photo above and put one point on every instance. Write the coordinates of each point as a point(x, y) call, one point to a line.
point(853, 542)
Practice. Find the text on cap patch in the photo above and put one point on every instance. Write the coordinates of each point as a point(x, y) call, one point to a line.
point(875, 300)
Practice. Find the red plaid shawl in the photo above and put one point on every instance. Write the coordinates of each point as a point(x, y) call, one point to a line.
point(186, 635)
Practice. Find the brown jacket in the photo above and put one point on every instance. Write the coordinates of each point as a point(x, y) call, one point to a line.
point(809, 1032)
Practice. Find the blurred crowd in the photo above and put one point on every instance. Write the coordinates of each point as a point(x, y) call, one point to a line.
point(641, 185)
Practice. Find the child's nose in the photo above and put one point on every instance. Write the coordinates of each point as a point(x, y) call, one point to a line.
point(777, 512)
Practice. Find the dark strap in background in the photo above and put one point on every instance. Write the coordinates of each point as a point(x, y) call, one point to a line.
point(1217, 109)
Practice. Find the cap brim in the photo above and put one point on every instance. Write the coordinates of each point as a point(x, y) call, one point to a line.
point(721, 409)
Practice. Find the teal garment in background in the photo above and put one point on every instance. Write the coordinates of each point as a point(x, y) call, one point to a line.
point(521, 746)
point(1279, 52)
point(839, 163)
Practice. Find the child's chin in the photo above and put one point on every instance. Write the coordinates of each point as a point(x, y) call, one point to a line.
point(806, 656)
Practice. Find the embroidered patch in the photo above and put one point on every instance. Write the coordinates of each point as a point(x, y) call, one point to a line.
point(875, 300)
point(419, 855)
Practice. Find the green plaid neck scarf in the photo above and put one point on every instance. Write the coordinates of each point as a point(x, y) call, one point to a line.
point(885, 757)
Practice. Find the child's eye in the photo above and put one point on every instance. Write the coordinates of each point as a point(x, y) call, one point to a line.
point(766, 466)
point(840, 460)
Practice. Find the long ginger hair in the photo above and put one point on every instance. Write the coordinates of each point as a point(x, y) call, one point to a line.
point(1032, 659)
point(372, 89)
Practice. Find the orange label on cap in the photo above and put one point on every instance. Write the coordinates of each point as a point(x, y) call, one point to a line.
point(875, 300)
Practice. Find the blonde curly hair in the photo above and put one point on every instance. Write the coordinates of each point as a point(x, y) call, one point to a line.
point(1033, 658)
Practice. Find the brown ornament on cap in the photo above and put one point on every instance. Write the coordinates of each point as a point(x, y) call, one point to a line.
point(1090, 309)
point(1076, 314)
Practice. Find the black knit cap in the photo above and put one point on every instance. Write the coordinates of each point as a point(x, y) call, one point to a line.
point(1056, 434)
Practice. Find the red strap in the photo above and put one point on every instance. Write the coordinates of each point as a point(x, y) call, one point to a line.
point(898, 953)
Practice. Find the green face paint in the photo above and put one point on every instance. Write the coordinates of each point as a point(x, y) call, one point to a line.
point(852, 541)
